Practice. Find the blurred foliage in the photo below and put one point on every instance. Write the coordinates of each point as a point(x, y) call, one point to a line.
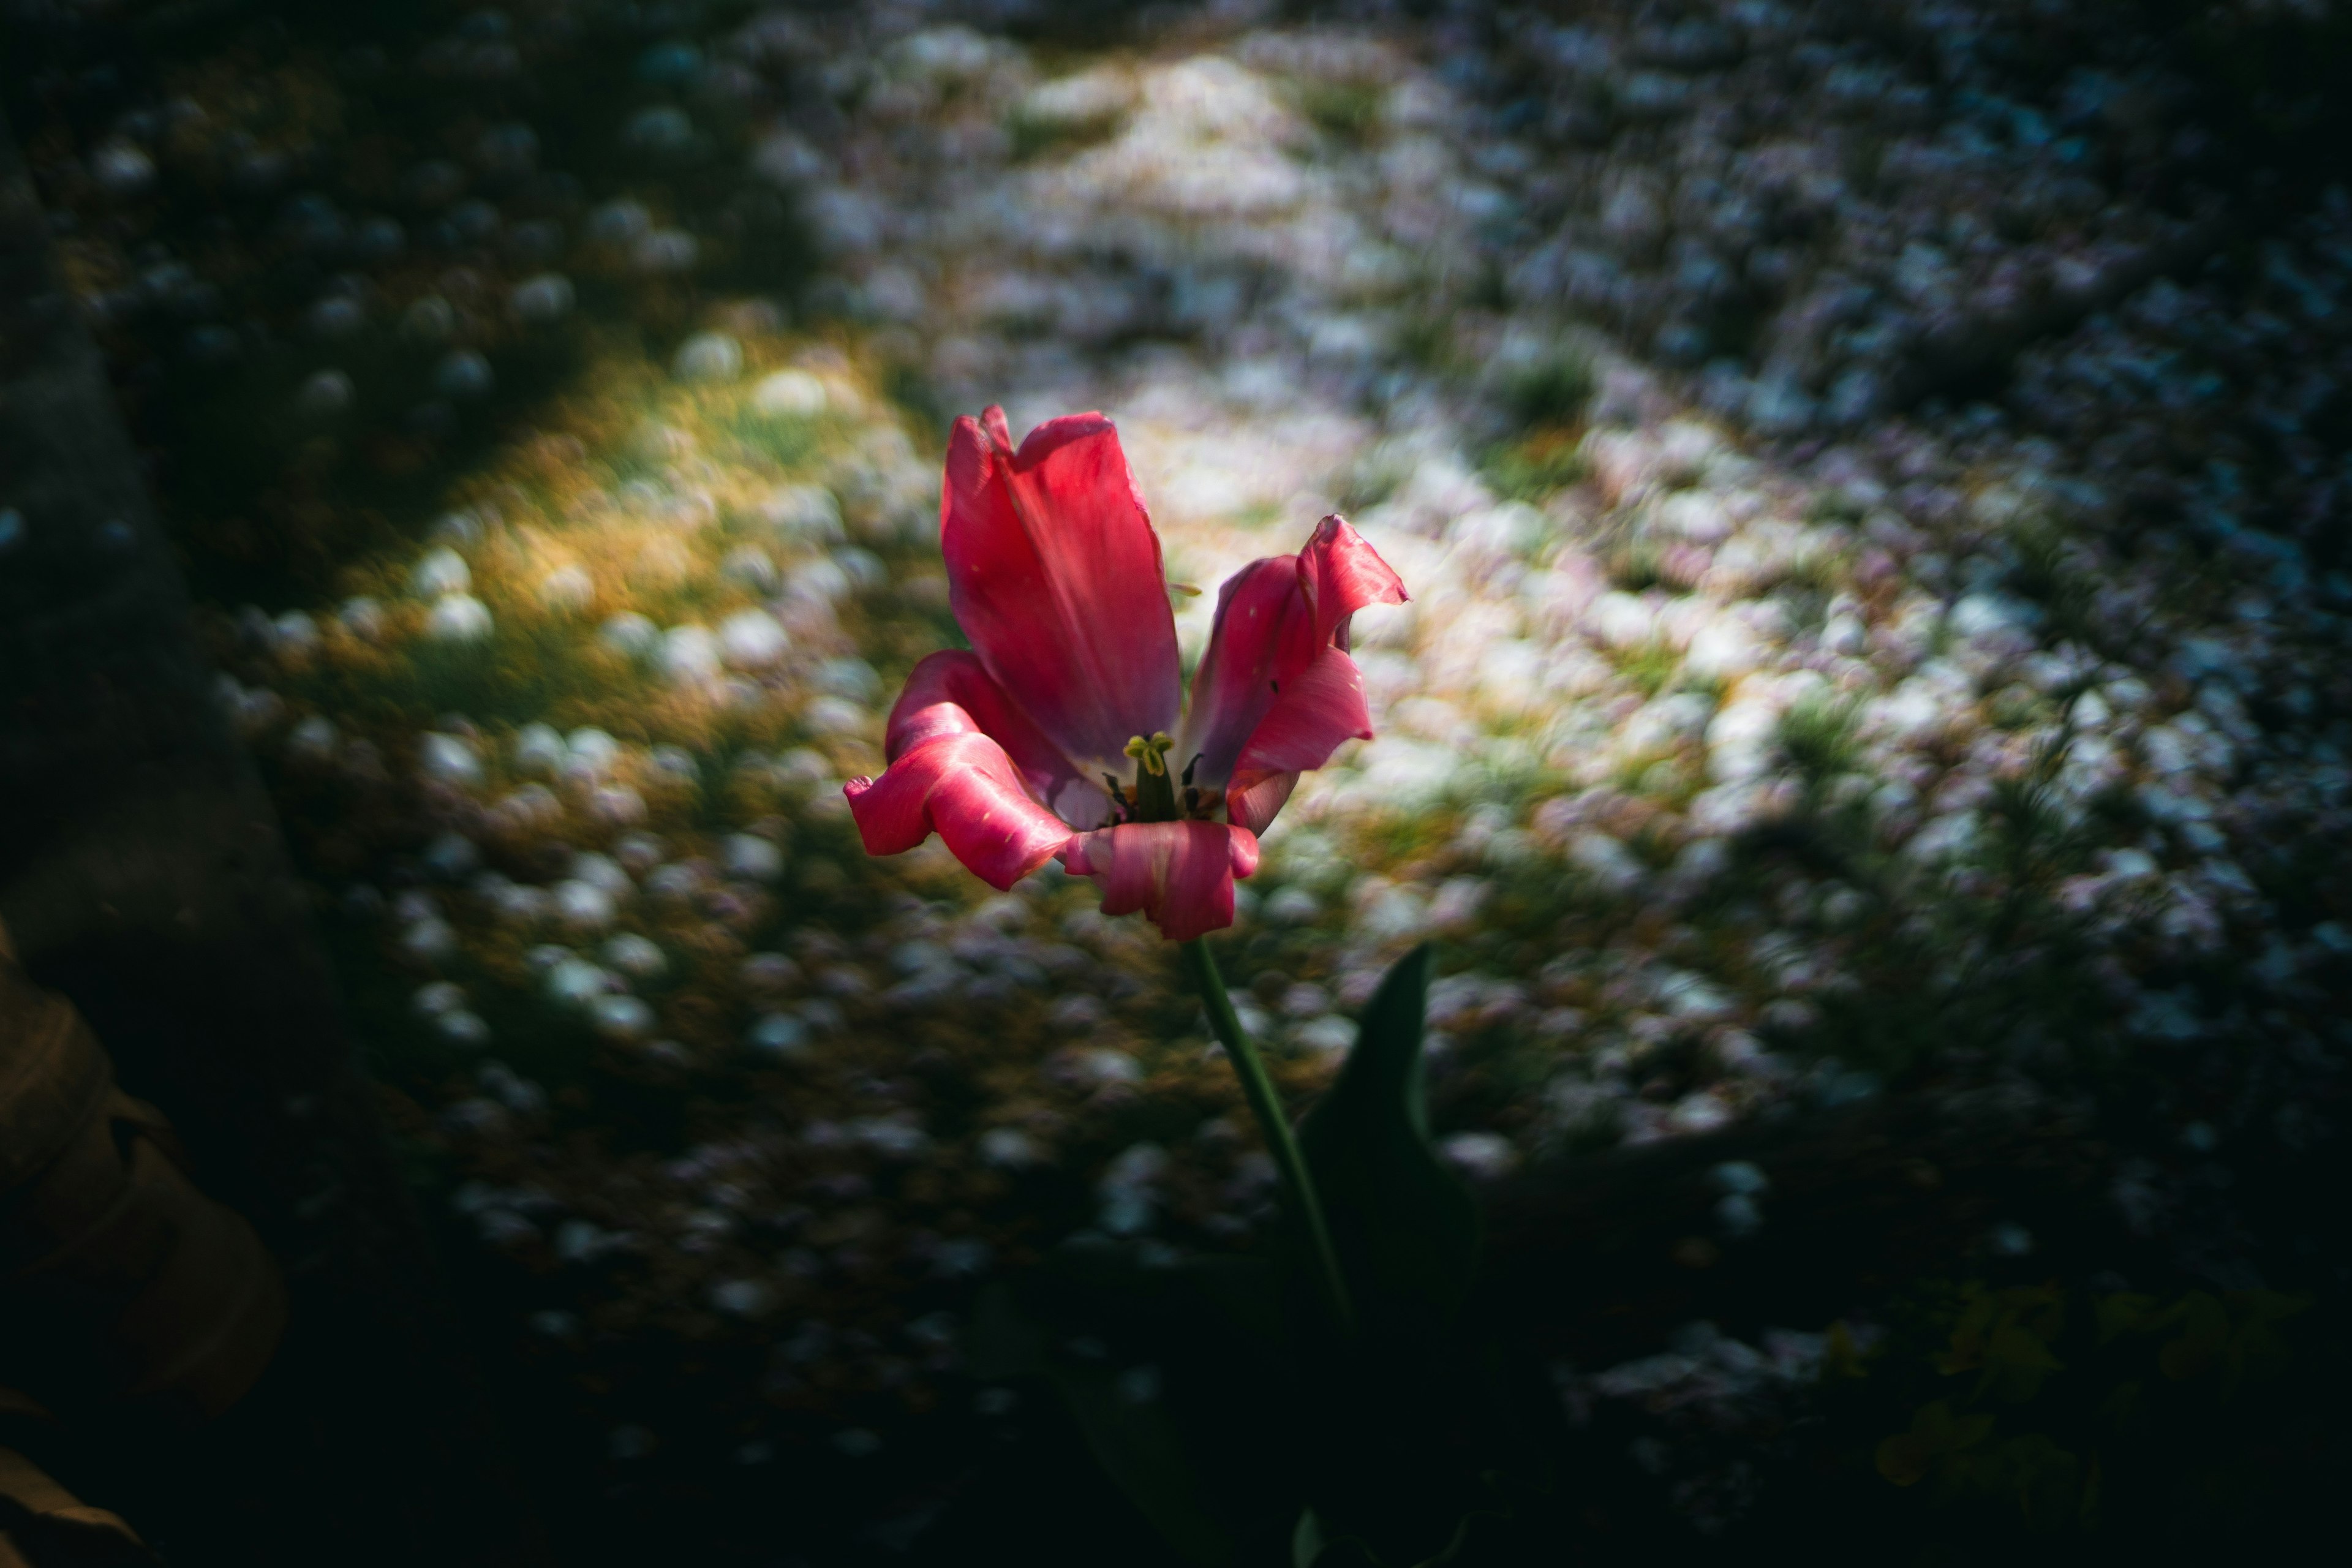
point(1215, 1393)
point(1531, 468)
point(1552, 389)
point(1981, 1424)
point(1999, 970)
point(270, 499)
point(1817, 733)
point(1637, 565)
point(1651, 666)
point(1038, 136)
point(1350, 110)
point(2009, 1420)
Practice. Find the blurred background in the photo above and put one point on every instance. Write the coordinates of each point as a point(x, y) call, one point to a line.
point(1869, 737)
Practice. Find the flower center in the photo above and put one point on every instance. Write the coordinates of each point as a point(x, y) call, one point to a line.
point(1154, 795)
point(1155, 792)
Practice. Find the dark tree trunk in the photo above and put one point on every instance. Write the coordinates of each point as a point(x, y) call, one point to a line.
point(144, 876)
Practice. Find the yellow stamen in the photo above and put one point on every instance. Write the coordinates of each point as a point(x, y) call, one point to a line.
point(1151, 754)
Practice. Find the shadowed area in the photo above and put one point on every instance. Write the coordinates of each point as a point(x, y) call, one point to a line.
point(145, 879)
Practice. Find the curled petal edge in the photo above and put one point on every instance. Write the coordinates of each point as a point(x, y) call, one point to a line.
point(963, 788)
point(952, 693)
point(1315, 712)
point(1180, 875)
point(1274, 619)
point(1343, 574)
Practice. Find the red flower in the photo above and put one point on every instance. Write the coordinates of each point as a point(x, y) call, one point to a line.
point(1052, 736)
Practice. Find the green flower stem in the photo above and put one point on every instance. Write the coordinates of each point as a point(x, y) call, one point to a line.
point(1258, 1090)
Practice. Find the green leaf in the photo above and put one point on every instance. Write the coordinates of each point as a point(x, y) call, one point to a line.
point(2015, 1363)
point(2122, 1312)
point(1140, 1449)
point(1191, 1454)
point(1307, 1539)
point(1471, 1543)
point(1474, 1541)
point(1405, 1228)
point(1308, 1548)
point(1240, 1297)
point(1003, 1342)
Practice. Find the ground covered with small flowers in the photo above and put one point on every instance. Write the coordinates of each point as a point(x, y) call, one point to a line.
point(1872, 481)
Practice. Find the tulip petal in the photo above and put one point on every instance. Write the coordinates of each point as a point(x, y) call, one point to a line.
point(1055, 575)
point(962, 786)
point(1316, 712)
point(1342, 574)
point(951, 693)
point(1179, 874)
point(1261, 616)
point(1274, 617)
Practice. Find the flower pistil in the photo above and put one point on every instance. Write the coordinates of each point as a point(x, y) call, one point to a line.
point(1152, 797)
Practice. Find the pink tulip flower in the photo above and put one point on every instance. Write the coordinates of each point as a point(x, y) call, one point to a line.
point(1063, 732)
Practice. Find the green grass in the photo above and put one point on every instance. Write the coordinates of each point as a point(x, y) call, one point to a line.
point(1637, 565)
point(1832, 507)
point(2016, 707)
point(2046, 574)
point(1425, 338)
point(1552, 390)
point(1662, 777)
point(1035, 137)
point(788, 442)
point(2035, 840)
point(1535, 466)
point(914, 391)
point(1651, 667)
point(1817, 733)
point(1350, 110)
